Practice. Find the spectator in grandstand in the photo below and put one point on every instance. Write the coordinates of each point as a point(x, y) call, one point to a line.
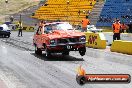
point(91, 3)
point(85, 22)
point(105, 19)
point(116, 30)
point(123, 27)
point(96, 0)
point(79, 12)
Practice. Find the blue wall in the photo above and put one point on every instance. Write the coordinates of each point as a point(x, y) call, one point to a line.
point(116, 9)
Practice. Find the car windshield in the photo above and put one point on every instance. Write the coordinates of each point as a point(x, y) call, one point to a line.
point(58, 26)
point(64, 26)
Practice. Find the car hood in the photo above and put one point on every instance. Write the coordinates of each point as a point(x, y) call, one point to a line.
point(92, 28)
point(5, 27)
point(64, 34)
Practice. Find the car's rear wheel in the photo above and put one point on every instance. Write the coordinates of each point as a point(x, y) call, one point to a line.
point(38, 51)
point(82, 51)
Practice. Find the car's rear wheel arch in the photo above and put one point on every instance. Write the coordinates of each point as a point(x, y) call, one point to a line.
point(44, 45)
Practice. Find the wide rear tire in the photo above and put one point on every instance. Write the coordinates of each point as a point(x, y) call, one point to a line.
point(38, 51)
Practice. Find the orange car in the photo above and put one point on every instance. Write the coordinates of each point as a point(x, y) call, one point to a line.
point(59, 37)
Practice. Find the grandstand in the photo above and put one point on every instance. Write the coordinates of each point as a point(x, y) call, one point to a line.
point(65, 10)
point(113, 9)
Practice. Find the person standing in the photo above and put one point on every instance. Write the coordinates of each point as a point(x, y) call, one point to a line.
point(129, 27)
point(116, 30)
point(123, 27)
point(20, 28)
point(35, 28)
point(85, 22)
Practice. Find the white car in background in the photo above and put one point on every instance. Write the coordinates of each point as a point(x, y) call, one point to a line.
point(5, 31)
point(92, 28)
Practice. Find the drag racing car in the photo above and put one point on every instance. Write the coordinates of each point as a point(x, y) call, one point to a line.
point(4, 31)
point(92, 28)
point(59, 37)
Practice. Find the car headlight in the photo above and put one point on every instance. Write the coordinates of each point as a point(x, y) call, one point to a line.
point(82, 39)
point(52, 42)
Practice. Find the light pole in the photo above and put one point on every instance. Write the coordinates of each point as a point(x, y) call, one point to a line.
point(20, 18)
point(6, 2)
point(79, 12)
point(67, 9)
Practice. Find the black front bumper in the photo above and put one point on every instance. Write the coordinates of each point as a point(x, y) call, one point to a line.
point(5, 33)
point(66, 47)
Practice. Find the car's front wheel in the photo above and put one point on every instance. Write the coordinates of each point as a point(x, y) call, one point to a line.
point(82, 51)
point(47, 51)
point(38, 51)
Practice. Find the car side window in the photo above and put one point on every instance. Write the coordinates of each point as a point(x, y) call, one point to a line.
point(47, 29)
point(39, 31)
point(1, 28)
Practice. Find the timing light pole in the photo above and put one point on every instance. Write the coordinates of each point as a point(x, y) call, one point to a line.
point(67, 9)
point(6, 2)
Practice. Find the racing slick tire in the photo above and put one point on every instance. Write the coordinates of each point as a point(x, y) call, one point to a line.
point(38, 51)
point(82, 51)
point(65, 53)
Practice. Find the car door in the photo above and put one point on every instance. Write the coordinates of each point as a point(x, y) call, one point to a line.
point(45, 34)
point(37, 38)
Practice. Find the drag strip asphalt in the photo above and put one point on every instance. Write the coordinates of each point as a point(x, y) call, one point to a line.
point(24, 69)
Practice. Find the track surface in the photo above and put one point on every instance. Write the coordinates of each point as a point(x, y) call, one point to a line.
point(20, 68)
